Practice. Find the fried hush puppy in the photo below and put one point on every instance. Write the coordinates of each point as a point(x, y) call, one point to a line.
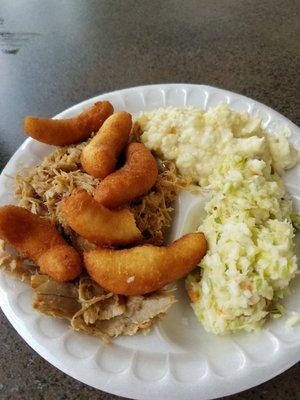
point(62, 132)
point(144, 269)
point(134, 179)
point(37, 239)
point(100, 156)
point(98, 224)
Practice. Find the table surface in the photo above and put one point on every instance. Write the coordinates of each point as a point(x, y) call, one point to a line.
point(54, 54)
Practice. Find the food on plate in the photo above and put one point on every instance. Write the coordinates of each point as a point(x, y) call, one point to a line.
point(134, 179)
point(41, 189)
point(16, 266)
point(140, 313)
point(99, 157)
point(251, 257)
point(37, 239)
point(83, 302)
point(146, 268)
point(153, 211)
point(242, 271)
point(61, 132)
point(60, 174)
point(197, 140)
point(58, 299)
point(97, 223)
point(109, 315)
point(89, 307)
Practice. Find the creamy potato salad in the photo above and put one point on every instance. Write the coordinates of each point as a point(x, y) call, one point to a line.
point(251, 257)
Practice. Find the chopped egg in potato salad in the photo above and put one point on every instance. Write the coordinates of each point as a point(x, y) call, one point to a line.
point(251, 257)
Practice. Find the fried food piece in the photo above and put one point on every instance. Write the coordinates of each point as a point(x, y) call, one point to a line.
point(37, 239)
point(100, 156)
point(61, 132)
point(144, 269)
point(134, 179)
point(98, 224)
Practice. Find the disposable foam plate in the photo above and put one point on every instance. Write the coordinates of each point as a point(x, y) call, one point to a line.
point(178, 359)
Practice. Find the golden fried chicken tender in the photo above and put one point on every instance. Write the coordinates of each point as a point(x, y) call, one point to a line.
point(100, 156)
point(37, 239)
point(144, 269)
point(98, 224)
point(62, 132)
point(134, 179)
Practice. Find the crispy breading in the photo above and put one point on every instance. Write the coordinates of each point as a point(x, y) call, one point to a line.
point(100, 156)
point(144, 269)
point(98, 224)
point(61, 132)
point(134, 179)
point(37, 239)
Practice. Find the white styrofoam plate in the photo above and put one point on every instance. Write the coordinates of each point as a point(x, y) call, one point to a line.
point(178, 359)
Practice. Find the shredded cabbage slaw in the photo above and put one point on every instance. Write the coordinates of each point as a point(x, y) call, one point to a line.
point(251, 256)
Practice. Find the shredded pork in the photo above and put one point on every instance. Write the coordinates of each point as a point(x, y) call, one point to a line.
point(60, 174)
point(83, 302)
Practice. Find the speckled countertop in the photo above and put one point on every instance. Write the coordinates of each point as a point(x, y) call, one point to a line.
point(57, 53)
